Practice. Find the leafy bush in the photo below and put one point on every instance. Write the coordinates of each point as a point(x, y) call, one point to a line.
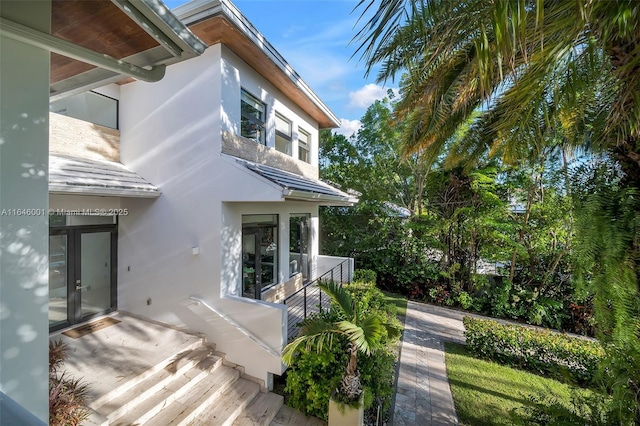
point(593, 409)
point(365, 275)
point(67, 397)
point(542, 351)
point(316, 372)
point(464, 300)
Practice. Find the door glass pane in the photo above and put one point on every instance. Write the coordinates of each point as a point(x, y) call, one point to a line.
point(249, 265)
point(299, 244)
point(269, 253)
point(58, 269)
point(259, 253)
point(95, 272)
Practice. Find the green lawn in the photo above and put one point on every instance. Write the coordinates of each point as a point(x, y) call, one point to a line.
point(399, 301)
point(486, 393)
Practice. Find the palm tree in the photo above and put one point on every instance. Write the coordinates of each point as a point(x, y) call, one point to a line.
point(364, 332)
point(538, 71)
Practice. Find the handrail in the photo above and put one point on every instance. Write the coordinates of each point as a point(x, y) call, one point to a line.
point(240, 328)
point(320, 278)
point(305, 300)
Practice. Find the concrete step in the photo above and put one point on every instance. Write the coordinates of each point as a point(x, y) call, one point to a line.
point(229, 405)
point(185, 408)
point(194, 388)
point(199, 359)
point(287, 416)
point(177, 354)
point(261, 411)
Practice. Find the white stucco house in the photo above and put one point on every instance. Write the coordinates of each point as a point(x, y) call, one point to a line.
point(192, 201)
point(179, 176)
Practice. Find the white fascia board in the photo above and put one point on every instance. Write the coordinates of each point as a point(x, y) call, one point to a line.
point(101, 192)
point(199, 10)
point(322, 199)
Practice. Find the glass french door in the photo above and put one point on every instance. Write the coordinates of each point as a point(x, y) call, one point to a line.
point(299, 246)
point(82, 274)
point(259, 254)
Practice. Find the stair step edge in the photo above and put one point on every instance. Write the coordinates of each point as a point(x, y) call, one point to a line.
point(228, 408)
point(191, 373)
point(210, 386)
point(261, 411)
point(99, 402)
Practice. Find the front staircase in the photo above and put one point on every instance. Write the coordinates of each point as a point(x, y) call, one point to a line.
point(186, 383)
point(196, 388)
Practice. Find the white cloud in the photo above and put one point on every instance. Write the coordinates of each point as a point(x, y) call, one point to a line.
point(366, 95)
point(348, 127)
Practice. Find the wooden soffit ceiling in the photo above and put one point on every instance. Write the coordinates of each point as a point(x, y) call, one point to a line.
point(98, 25)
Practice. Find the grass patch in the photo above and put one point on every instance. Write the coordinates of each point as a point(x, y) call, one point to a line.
point(486, 393)
point(399, 301)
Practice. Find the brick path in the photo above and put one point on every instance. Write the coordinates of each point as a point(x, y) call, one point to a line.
point(423, 395)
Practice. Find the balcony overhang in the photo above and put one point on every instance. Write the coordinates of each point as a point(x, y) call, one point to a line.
point(96, 42)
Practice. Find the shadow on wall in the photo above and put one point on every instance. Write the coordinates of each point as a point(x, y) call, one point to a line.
point(24, 293)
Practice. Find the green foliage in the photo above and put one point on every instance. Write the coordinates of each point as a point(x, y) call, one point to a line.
point(464, 300)
point(317, 370)
point(543, 74)
point(609, 233)
point(582, 409)
point(68, 403)
point(541, 351)
point(486, 393)
point(365, 275)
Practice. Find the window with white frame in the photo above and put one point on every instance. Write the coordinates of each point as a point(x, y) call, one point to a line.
point(283, 134)
point(253, 114)
point(304, 142)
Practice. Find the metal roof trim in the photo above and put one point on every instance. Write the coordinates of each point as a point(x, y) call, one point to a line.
point(81, 176)
point(299, 187)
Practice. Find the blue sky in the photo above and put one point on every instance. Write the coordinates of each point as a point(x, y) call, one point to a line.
point(314, 37)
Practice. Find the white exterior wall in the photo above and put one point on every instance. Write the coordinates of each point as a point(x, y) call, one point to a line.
point(238, 75)
point(171, 136)
point(24, 248)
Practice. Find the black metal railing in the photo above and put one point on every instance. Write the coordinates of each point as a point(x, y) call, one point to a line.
point(310, 299)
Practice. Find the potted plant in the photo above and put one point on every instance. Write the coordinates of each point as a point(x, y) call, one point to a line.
point(364, 334)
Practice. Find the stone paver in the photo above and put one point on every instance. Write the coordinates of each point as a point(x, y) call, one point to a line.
point(423, 395)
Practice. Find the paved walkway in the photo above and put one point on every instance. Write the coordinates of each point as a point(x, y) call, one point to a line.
point(423, 395)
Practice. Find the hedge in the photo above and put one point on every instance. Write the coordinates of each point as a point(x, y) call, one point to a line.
point(542, 351)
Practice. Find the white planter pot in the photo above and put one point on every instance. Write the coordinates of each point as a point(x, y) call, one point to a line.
point(345, 415)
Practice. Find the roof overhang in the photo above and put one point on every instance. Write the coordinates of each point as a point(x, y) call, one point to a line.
point(81, 176)
point(299, 188)
point(102, 41)
point(219, 21)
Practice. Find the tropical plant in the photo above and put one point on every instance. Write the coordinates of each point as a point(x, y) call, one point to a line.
point(542, 73)
point(67, 396)
point(364, 334)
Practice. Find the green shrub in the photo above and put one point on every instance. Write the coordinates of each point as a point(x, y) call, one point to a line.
point(315, 374)
point(557, 355)
point(464, 300)
point(593, 409)
point(365, 275)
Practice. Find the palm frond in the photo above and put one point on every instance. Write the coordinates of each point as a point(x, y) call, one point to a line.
point(313, 332)
point(340, 297)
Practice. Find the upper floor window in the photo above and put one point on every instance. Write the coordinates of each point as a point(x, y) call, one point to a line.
point(304, 141)
point(253, 113)
point(283, 134)
point(89, 106)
